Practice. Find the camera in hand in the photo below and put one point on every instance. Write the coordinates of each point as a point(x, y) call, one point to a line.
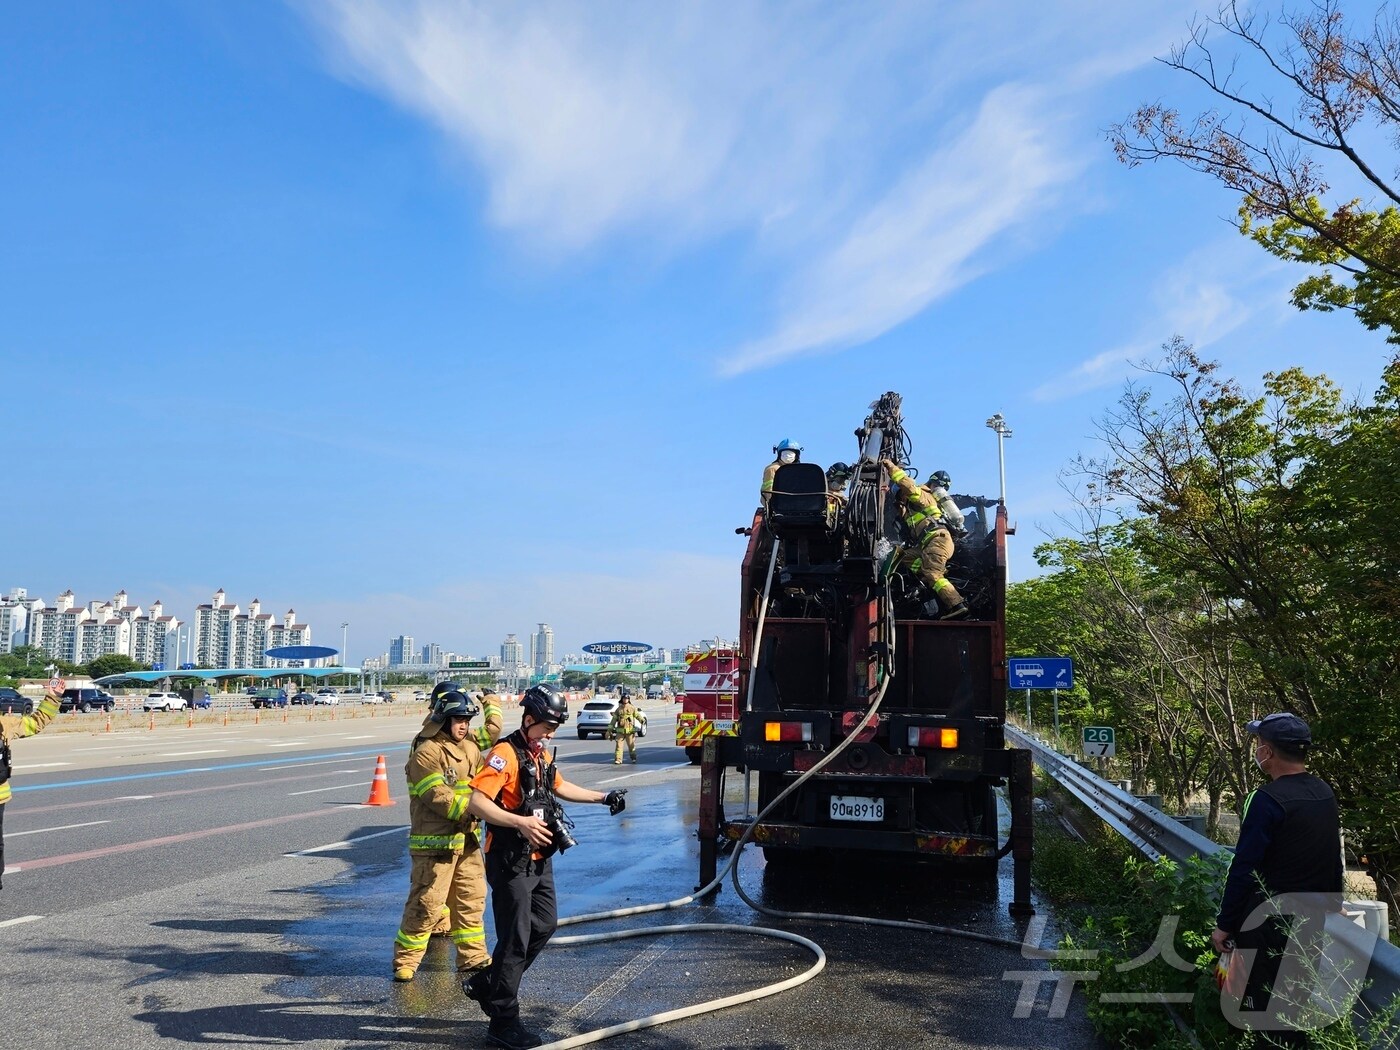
point(547, 808)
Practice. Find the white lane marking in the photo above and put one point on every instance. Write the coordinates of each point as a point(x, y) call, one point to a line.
point(643, 772)
point(367, 736)
point(10, 869)
point(130, 798)
point(61, 827)
point(22, 918)
point(345, 842)
point(298, 765)
point(185, 754)
point(338, 787)
point(105, 747)
point(288, 743)
point(41, 765)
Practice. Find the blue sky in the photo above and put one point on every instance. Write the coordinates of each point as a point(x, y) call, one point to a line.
point(447, 318)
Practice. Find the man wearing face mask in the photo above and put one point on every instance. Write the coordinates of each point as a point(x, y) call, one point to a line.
point(1287, 870)
point(784, 452)
point(514, 792)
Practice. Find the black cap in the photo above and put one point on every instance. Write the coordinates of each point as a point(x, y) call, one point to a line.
point(1283, 729)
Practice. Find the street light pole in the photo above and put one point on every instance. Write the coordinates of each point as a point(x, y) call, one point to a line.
point(344, 636)
point(998, 424)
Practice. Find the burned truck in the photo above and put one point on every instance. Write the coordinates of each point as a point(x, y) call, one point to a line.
point(842, 650)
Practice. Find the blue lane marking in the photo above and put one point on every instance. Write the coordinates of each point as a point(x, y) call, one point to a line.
point(283, 759)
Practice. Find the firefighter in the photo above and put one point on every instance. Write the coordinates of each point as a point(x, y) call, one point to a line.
point(13, 727)
point(447, 874)
point(837, 477)
point(515, 793)
point(624, 725)
point(784, 452)
point(932, 518)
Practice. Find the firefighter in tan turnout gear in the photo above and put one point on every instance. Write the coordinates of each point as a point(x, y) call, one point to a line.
point(625, 723)
point(447, 874)
point(13, 727)
point(932, 517)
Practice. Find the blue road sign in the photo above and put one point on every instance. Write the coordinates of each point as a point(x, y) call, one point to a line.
point(157, 667)
point(1040, 672)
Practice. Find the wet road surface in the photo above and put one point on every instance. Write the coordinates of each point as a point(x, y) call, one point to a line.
point(234, 934)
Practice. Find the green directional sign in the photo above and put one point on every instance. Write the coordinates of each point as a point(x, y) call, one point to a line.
point(1098, 742)
point(469, 665)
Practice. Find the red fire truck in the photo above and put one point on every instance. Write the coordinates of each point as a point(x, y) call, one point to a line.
point(708, 705)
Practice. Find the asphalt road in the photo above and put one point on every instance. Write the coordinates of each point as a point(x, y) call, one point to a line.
point(227, 885)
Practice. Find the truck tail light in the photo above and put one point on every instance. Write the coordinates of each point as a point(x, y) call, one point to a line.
point(787, 732)
point(933, 736)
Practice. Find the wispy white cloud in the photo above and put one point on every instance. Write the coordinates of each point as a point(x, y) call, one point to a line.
point(879, 157)
point(923, 239)
point(1209, 294)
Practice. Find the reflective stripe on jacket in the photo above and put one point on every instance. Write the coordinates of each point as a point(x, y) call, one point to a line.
point(921, 512)
point(13, 727)
point(439, 771)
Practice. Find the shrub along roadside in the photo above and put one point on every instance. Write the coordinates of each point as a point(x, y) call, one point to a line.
point(1148, 925)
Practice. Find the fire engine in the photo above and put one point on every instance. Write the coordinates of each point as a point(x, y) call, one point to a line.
point(708, 707)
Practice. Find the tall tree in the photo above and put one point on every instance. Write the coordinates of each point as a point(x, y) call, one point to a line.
point(1280, 511)
point(1322, 91)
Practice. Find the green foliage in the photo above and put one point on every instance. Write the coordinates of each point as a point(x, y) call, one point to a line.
point(1336, 241)
point(113, 663)
point(28, 661)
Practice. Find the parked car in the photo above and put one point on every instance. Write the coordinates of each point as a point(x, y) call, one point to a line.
point(365, 698)
point(386, 696)
point(86, 698)
point(270, 697)
point(204, 703)
point(597, 714)
point(304, 698)
point(13, 702)
point(327, 696)
point(418, 694)
point(164, 702)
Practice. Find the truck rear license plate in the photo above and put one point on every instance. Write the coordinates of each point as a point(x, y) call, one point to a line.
point(856, 807)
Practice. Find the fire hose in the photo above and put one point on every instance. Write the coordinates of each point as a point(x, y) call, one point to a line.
point(731, 870)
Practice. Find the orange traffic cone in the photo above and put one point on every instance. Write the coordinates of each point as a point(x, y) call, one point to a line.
point(379, 789)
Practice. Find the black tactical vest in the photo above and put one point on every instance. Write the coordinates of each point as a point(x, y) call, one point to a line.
point(1305, 854)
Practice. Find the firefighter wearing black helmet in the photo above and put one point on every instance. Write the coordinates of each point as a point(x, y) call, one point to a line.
point(512, 793)
point(447, 877)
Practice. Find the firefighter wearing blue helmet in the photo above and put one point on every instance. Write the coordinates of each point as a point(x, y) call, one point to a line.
point(784, 452)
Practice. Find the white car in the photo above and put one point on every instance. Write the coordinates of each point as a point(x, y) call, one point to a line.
point(164, 702)
point(597, 714)
point(327, 696)
point(369, 698)
point(418, 694)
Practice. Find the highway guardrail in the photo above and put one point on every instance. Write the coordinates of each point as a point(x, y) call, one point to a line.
point(1158, 835)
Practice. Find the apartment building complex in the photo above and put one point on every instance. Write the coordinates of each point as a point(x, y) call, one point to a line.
point(220, 634)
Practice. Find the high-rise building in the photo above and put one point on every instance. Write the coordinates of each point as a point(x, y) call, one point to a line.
point(252, 637)
point(15, 609)
point(213, 632)
point(155, 637)
point(401, 650)
point(432, 655)
point(289, 632)
point(512, 655)
point(542, 648)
